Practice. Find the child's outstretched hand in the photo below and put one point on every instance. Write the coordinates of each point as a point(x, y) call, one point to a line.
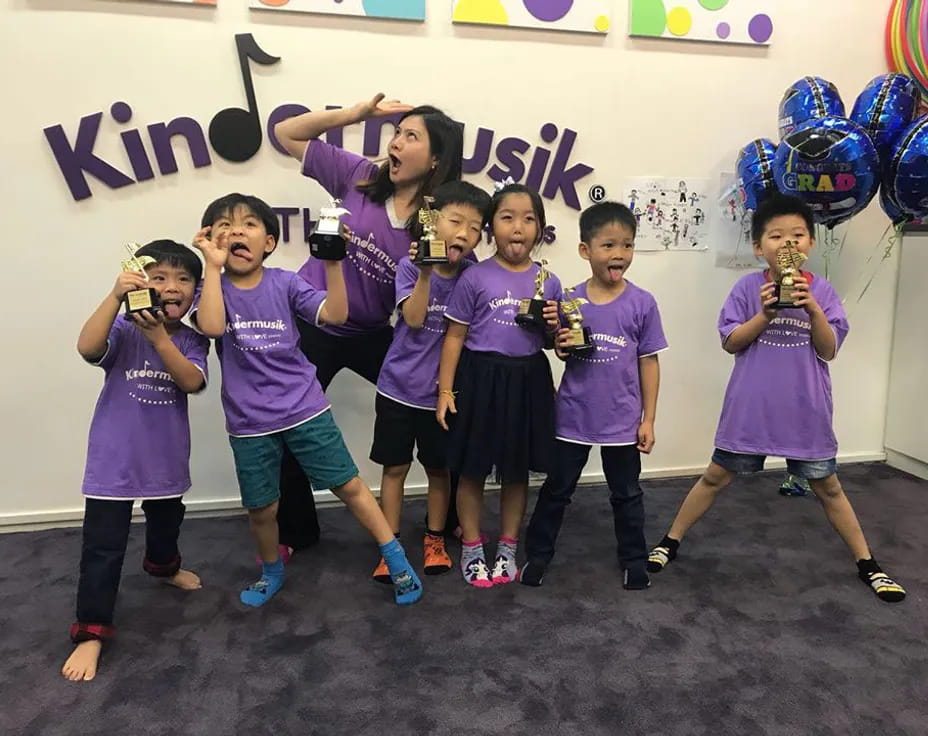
point(413, 252)
point(151, 325)
point(445, 404)
point(802, 297)
point(128, 281)
point(768, 299)
point(216, 250)
point(560, 342)
point(550, 313)
point(645, 437)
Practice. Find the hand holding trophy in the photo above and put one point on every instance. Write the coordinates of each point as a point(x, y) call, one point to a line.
point(138, 300)
point(789, 259)
point(431, 249)
point(579, 340)
point(327, 240)
point(531, 311)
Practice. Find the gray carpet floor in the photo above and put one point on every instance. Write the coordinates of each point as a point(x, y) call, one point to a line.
point(760, 627)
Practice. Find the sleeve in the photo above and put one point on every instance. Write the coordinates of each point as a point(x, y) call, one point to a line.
point(834, 313)
point(651, 339)
point(406, 277)
point(553, 288)
point(305, 299)
point(192, 314)
point(463, 303)
point(114, 342)
point(335, 169)
point(734, 311)
point(195, 348)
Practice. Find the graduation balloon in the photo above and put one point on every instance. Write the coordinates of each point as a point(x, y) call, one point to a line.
point(885, 108)
point(907, 173)
point(808, 98)
point(755, 172)
point(832, 165)
point(896, 216)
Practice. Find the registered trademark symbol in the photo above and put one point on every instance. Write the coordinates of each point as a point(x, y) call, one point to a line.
point(597, 193)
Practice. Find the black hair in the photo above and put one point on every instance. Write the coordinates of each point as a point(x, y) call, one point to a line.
point(455, 192)
point(605, 213)
point(537, 206)
point(173, 254)
point(446, 144)
point(225, 206)
point(777, 205)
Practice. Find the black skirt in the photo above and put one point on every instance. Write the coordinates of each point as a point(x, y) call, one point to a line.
point(505, 416)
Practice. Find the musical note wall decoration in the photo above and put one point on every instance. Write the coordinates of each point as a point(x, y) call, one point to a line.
point(235, 133)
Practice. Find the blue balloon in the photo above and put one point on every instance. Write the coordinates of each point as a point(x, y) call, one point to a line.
point(906, 179)
point(896, 215)
point(808, 98)
point(885, 108)
point(832, 165)
point(755, 172)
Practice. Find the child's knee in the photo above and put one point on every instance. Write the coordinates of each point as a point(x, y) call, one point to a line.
point(396, 472)
point(716, 477)
point(264, 514)
point(352, 490)
point(827, 489)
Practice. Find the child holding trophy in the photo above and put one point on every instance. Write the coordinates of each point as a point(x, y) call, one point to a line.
point(607, 396)
point(778, 400)
point(270, 394)
point(496, 380)
point(407, 388)
point(139, 444)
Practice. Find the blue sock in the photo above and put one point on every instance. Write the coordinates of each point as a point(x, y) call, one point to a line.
point(272, 580)
point(407, 588)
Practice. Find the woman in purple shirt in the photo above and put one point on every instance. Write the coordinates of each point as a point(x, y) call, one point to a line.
point(426, 150)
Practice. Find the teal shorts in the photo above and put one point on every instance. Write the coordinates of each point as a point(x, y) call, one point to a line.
point(317, 445)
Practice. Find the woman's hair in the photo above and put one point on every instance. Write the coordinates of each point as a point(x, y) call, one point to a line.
point(446, 144)
point(537, 206)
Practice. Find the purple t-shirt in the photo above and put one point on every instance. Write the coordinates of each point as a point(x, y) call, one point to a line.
point(267, 384)
point(377, 244)
point(410, 370)
point(139, 445)
point(599, 399)
point(487, 298)
point(778, 400)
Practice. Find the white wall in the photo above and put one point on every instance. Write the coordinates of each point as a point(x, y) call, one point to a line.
point(640, 107)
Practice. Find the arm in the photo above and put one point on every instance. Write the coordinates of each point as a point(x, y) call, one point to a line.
point(211, 309)
point(186, 375)
point(91, 343)
point(747, 332)
point(295, 133)
point(415, 306)
point(448, 366)
point(335, 308)
point(824, 339)
point(649, 371)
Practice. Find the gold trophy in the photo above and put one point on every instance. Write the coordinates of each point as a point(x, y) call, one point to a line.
point(139, 300)
point(580, 339)
point(431, 250)
point(531, 311)
point(789, 259)
point(327, 240)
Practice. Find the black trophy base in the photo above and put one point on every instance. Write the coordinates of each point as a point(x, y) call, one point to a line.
point(580, 342)
point(139, 300)
point(431, 252)
point(784, 297)
point(531, 314)
point(327, 246)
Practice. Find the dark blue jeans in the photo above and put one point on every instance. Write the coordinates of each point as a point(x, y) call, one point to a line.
point(622, 466)
point(105, 536)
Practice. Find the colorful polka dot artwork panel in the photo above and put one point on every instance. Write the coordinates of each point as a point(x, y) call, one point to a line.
point(187, 2)
point(590, 16)
point(720, 21)
point(397, 9)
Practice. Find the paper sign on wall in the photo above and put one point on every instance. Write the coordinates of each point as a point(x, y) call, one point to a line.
point(672, 213)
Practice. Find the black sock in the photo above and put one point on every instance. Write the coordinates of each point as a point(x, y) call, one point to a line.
point(886, 588)
point(672, 544)
point(437, 535)
point(865, 567)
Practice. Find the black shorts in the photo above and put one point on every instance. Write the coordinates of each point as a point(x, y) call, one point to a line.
point(398, 427)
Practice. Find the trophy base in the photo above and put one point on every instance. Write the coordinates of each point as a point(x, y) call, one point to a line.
point(784, 295)
point(138, 300)
point(431, 252)
point(531, 313)
point(327, 247)
point(581, 342)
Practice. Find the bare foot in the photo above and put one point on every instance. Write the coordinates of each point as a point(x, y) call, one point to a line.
point(82, 664)
point(185, 580)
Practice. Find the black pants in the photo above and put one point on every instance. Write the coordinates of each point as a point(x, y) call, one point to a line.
point(296, 515)
point(622, 466)
point(105, 535)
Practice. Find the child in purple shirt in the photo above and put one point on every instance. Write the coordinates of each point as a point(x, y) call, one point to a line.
point(270, 392)
point(407, 388)
point(607, 397)
point(778, 400)
point(139, 444)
